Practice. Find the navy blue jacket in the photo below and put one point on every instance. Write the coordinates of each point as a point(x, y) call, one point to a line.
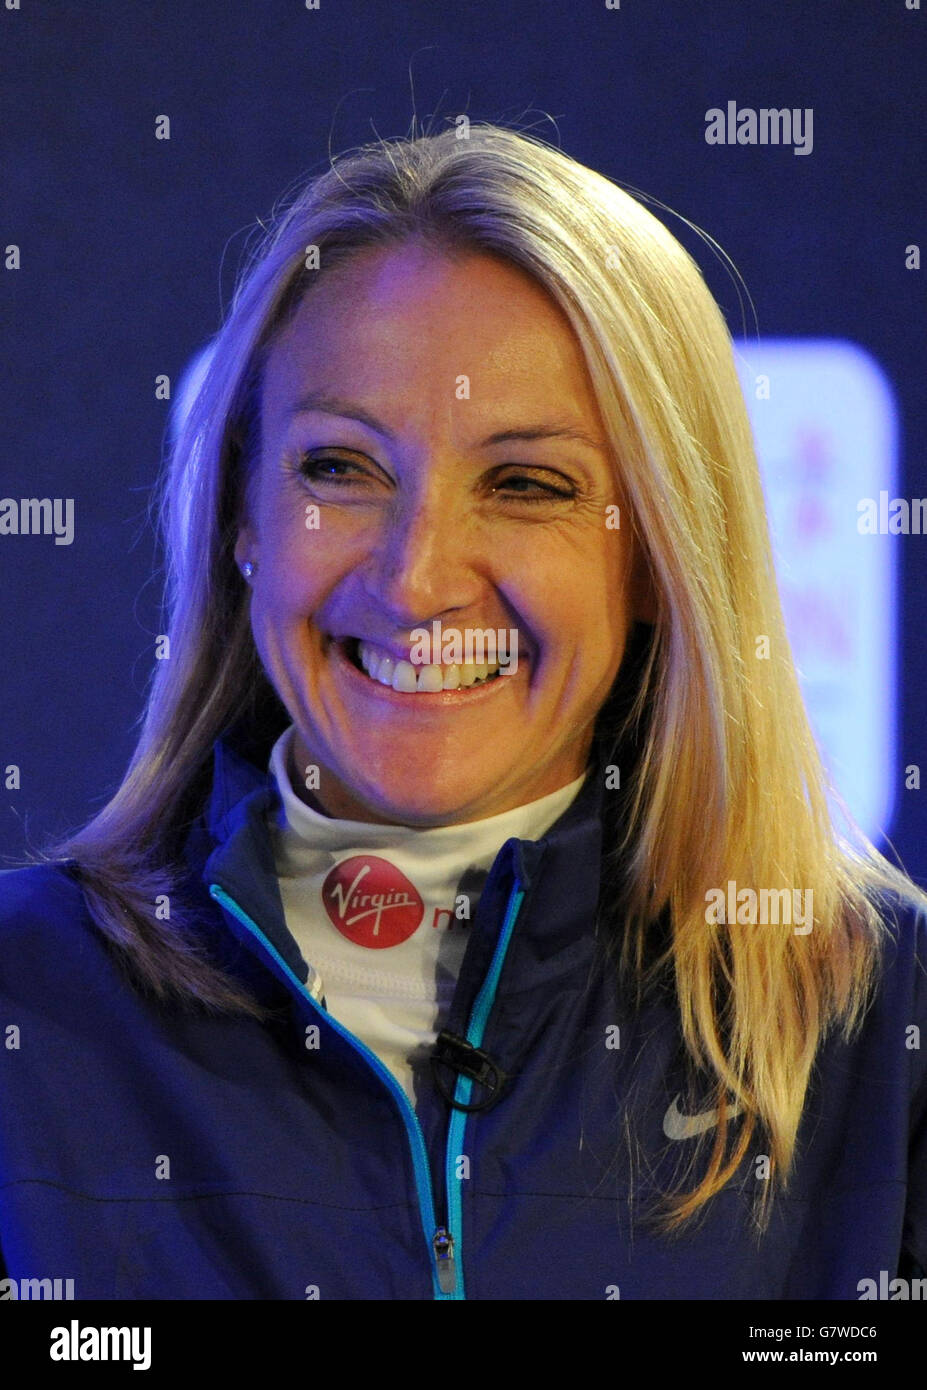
point(148, 1152)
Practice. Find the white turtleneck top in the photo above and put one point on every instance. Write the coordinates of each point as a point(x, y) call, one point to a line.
point(381, 913)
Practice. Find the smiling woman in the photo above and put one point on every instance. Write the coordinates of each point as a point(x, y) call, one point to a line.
point(435, 504)
point(403, 950)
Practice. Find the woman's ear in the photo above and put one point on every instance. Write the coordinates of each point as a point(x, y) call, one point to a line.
point(245, 545)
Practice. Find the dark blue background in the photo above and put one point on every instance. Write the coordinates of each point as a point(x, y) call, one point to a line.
point(129, 247)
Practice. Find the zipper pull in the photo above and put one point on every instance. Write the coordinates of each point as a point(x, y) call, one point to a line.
point(442, 1243)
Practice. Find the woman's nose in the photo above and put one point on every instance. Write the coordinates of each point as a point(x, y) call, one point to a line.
point(423, 561)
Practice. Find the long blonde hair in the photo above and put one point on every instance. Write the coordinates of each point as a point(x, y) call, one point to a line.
point(729, 783)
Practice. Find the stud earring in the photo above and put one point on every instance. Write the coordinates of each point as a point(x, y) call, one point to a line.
point(247, 569)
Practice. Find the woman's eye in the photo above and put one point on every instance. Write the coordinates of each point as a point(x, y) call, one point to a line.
point(324, 469)
point(328, 468)
point(531, 489)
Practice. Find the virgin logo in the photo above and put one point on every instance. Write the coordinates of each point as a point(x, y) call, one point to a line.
point(371, 902)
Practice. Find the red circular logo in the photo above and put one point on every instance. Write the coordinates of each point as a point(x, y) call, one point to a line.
point(371, 902)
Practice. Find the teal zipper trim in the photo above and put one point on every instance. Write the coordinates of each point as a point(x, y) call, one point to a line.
point(413, 1128)
point(455, 1132)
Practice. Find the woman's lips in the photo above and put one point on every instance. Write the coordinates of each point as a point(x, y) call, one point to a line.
point(339, 649)
point(410, 679)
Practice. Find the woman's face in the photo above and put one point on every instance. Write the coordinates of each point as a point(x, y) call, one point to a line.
point(432, 478)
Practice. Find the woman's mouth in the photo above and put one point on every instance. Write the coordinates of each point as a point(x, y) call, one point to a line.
point(381, 666)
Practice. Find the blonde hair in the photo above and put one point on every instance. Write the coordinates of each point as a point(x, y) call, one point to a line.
point(729, 783)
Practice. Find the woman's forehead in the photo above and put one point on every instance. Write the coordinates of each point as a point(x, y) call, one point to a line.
point(477, 331)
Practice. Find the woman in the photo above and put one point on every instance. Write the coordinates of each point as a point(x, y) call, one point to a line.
point(397, 969)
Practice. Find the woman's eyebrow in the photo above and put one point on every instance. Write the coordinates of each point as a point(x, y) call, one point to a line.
point(546, 432)
point(328, 404)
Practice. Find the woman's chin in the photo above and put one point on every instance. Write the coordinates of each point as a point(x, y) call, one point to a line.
point(423, 804)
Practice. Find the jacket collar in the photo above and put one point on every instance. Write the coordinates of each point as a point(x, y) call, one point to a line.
point(560, 871)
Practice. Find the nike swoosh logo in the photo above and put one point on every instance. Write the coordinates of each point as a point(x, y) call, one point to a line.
point(679, 1126)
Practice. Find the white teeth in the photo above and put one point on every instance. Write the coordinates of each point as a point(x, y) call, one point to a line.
point(385, 670)
point(405, 678)
point(431, 678)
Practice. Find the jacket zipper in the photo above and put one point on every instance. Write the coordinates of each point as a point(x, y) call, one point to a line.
point(445, 1262)
point(476, 1029)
